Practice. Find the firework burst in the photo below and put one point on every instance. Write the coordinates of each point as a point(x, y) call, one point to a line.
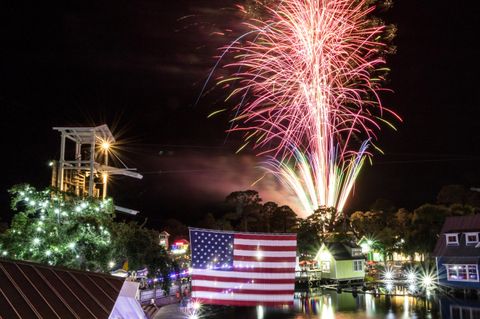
point(308, 79)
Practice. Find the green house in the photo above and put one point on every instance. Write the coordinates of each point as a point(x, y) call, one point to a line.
point(372, 249)
point(341, 262)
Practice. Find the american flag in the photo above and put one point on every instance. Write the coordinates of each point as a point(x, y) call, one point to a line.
point(243, 269)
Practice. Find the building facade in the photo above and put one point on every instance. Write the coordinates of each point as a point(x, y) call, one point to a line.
point(457, 252)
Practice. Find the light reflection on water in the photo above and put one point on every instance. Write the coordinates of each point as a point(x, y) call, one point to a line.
point(328, 304)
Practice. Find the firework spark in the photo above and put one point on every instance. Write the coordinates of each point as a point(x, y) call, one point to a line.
point(308, 80)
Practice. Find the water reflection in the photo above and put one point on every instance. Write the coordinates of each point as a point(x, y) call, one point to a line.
point(328, 304)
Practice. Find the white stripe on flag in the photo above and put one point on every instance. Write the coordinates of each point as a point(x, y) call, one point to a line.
point(255, 242)
point(263, 253)
point(262, 264)
point(237, 285)
point(246, 297)
point(236, 274)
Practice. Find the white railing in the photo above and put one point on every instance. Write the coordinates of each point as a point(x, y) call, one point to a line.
point(146, 295)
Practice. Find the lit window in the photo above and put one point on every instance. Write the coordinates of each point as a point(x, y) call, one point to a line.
point(357, 265)
point(452, 239)
point(471, 238)
point(356, 251)
point(325, 266)
point(462, 272)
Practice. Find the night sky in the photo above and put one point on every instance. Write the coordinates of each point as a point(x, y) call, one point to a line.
point(139, 66)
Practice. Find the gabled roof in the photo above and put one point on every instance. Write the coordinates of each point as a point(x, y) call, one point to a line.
point(339, 251)
point(31, 290)
point(458, 224)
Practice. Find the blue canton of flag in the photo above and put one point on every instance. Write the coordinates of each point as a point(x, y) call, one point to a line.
point(211, 250)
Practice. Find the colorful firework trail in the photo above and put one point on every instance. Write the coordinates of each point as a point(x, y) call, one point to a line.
point(308, 79)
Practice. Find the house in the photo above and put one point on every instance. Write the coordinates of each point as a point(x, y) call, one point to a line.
point(341, 261)
point(372, 249)
point(457, 252)
point(31, 290)
point(163, 239)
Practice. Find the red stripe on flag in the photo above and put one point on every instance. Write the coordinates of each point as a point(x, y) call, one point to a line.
point(264, 259)
point(244, 303)
point(264, 248)
point(244, 291)
point(243, 280)
point(265, 237)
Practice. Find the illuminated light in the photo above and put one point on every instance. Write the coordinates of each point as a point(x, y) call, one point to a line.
point(427, 281)
point(193, 316)
point(389, 286)
point(105, 145)
point(78, 209)
point(4, 253)
point(71, 246)
point(83, 205)
point(196, 305)
point(259, 254)
point(36, 241)
point(260, 312)
point(48, 253)
point(105, 177)
point(50, 163)
point(111, 264)
point(325, 256)
point(412, 287)
point(388, 275)
point(32, 203)
point(411, 276)
point(365, 248)
point(39, 229)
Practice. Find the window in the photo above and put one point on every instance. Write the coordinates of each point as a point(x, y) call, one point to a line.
point(325, 266)
point(462, 272)
point(357, 265)
point(356, 251)
point(461, 312)
point(452, 239)
point(471, 238)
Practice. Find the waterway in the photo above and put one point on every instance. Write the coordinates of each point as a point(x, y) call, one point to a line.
point(328, 304)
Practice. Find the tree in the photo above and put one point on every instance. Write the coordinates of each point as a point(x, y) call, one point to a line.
point(452, 194)
point(427, 221)
point(139, 246)
point(59, 229)
point(283, 220)
point(266, 216)
point(315, 228)
point(176, 229)
point(246, 205)
point(366, 223)
point(62, 229)
point(208, 222)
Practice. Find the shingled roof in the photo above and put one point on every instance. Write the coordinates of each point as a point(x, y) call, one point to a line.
point(341, 251)
point(458, 224)
point(31, 290)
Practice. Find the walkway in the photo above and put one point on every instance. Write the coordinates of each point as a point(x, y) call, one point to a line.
point(170, 312)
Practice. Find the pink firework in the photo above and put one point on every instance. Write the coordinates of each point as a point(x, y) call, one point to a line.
point(308, 83)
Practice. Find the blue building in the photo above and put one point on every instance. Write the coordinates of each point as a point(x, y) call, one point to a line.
point(457, 252)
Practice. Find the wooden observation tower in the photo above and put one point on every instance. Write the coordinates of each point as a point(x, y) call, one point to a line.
point(83, 167)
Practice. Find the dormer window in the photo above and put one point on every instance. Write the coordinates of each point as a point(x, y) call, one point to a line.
point(471, 238)
point(452, 238)
point(356, 251)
